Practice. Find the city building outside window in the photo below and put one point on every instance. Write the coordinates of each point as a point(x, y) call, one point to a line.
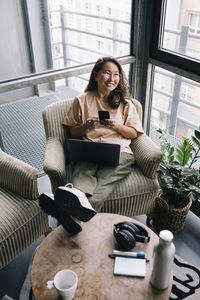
point(89, 30)
point(181, 27)
point(176, 101)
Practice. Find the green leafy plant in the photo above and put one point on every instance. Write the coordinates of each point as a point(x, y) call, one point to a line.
point(179, 177)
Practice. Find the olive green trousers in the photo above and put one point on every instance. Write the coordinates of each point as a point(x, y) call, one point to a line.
point(97, 182)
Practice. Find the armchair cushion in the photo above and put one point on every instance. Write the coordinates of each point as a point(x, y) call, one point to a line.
point(147, 155)
point(21, 223)
point(54, 162)
point(134, 195)
point(21, 219)
point(18, 176)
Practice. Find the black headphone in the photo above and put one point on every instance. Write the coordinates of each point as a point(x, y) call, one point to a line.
point(127, 234)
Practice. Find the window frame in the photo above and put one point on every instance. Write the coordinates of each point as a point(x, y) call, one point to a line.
point(170, 61)
point(166, 56)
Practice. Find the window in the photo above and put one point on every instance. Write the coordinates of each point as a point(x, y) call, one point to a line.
point(88, 23)
point(59, 34)
point(105, 31)
point(55, 19)
point(181, 27)
point(69, 4)
point(81, 26)
point(57, 50)
point(87, 6)
point(186, 92)
point(99, 10)
point(99, 26)
point(194, 23)
point(175, 104)
point(100, 45)
point(56, 35)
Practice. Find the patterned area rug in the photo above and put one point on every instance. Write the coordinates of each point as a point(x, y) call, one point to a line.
point(186, 283)
point(21, 126)
point(21, 129)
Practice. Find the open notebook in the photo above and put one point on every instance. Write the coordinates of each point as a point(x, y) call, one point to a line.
point(135, 267)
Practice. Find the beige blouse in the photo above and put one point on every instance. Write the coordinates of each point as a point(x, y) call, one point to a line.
point(87, 105)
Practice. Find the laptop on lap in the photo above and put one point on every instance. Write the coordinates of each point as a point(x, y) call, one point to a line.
point(97, 152)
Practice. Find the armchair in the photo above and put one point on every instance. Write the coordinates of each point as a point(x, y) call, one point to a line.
point(21, 219)
point(134, 195)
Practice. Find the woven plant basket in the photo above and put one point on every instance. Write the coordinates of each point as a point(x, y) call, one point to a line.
point(172, 219)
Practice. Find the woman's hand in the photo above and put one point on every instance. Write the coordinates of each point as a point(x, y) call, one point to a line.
point(90, 123)
point(109, 123)
point(123, 130)
point(80, 130)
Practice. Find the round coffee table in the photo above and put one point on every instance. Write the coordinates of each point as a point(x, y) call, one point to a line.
point(87, 254)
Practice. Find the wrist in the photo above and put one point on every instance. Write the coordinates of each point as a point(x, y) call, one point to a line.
point(84, 128)
point(116, 126)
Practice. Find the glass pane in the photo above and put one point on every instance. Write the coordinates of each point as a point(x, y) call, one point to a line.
point(175, 106)
point(181, 32)
point(87, 30)
point(58, 34)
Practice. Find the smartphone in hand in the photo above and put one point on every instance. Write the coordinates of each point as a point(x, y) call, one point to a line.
point(103, 114)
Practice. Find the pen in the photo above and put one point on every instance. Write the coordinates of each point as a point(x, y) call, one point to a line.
point(126, 256)
point(130, 254)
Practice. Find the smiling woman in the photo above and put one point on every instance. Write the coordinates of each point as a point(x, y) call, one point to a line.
point(108, 75)
point(107, 90)
point(107, 79)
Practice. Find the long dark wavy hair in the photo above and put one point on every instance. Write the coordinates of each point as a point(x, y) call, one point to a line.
point(121, 92)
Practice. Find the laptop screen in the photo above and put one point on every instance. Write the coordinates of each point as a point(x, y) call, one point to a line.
point(97, 152)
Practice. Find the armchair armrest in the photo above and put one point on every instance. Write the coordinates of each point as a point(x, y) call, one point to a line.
point(54, 162)
point(18, 177)
point(147, 155)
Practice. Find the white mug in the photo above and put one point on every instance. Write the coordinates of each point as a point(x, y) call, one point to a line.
point(65, 282)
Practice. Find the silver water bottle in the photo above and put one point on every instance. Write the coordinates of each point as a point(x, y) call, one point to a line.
point(163, 258)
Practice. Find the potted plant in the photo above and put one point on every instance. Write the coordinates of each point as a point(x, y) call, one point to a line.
point(179, 180)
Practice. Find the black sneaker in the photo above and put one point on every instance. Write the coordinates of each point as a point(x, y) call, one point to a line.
point(74, 202)
point(48, 205)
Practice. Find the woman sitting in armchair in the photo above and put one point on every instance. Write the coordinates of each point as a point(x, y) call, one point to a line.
point(91, 183)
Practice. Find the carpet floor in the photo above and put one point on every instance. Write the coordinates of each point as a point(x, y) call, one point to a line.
point(21, 126)
point(22, 131)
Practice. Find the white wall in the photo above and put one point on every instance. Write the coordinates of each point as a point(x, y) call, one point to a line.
point(14, 49)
